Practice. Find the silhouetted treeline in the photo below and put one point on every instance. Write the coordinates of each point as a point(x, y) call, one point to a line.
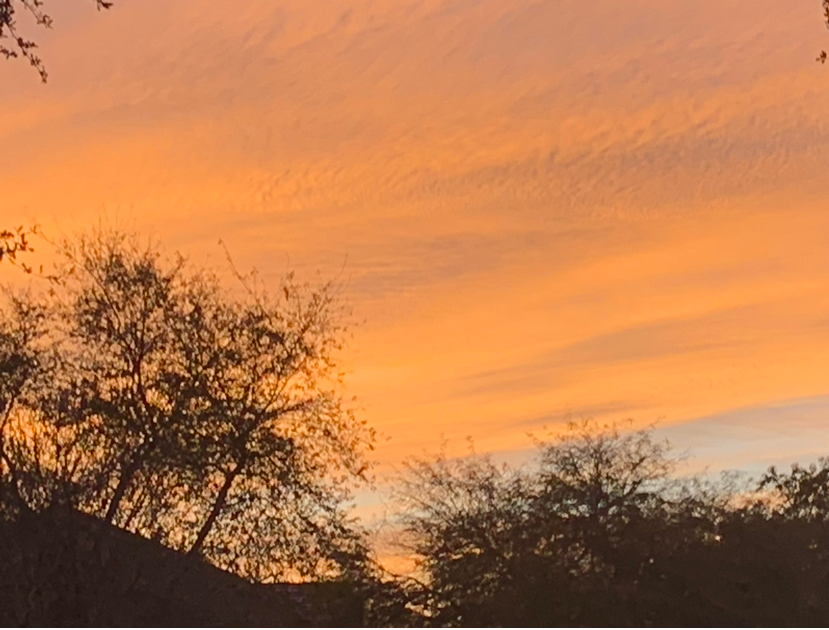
point(601, 531)
point(177, 452)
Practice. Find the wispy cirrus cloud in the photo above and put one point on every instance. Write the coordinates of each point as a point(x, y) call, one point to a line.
point(542, 207)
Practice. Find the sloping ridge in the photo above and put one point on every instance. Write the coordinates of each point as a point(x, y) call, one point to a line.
point(104, 575)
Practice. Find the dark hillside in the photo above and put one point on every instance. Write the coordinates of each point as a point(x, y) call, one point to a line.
point(62, 567)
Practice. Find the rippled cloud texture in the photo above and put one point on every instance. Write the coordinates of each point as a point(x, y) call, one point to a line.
point(542, 207)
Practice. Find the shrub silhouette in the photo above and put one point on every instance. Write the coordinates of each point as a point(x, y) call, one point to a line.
point(600, 531)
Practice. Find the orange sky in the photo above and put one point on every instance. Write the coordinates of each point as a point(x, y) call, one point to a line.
point(543, 207)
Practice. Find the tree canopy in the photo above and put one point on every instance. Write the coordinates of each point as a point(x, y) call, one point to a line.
point(600, 529)
point(145, 392)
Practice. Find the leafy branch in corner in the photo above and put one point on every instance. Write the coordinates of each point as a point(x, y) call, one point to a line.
point(822, 57)
point(20, 46)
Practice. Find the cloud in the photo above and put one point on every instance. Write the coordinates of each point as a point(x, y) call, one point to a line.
point(541, 206)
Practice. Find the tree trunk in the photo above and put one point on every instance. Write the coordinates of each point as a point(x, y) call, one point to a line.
point(123, 483)
point(218, 506)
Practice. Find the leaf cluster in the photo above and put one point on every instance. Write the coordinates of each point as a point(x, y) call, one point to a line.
point(15, 242)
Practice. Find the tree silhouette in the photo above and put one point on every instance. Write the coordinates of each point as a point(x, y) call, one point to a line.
point(205, 418)
point(268, 431)
point(600, 530)
point(801, 494)
point(21, 364)
point(568, 540)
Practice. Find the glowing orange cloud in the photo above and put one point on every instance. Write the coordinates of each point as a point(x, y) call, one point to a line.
point(541, 208)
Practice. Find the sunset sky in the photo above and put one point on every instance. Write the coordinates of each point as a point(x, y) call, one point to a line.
point(539, 208)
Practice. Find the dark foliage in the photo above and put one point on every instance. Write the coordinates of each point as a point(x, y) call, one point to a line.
point(601, 532)
point(12, 244)
point(143, 393)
